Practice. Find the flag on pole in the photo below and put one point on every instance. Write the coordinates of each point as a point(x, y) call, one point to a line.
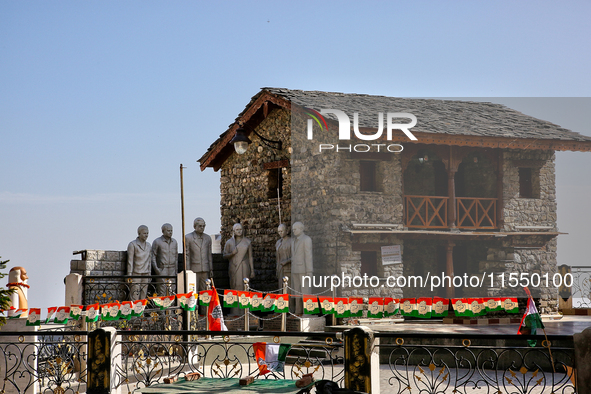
point(268, 304)
point(439, 307)
point(205, 297)
point(215, 317)
point(270, 356)
point(138, 307)
point(408, 307)
point(356, 306)
point(163, 302)
point(282, 303)
point(341, 307)
point(188, 301)
point(531, 321)
point(243, 299)
point(92, 313)
point(510, 304)
point(424, 307)
point(50, 314)
point(375, 307)
point(34, 318)
point(256, 301)
point(230, 299)
point(311, 306)
point(62, 315)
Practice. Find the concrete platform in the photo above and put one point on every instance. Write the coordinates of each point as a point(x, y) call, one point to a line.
point(568, 325)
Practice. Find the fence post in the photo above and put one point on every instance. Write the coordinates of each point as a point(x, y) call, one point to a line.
point(104, 358)
point(362, 360)
point(284, 315)
point(246, 320)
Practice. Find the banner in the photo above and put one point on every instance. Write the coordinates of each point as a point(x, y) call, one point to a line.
point(311, 306)
point(282, 303)
point(439, 307)
point(256, 301)
point(231, 299)
point(341, 307)
point(205, 297)
point(356, 306)
point(375, 307)
point(424, 307)
point(408, 307)
point(268, 304)
point(34, 318)
point(243, 299)
point(391, 306)
point(327, 305)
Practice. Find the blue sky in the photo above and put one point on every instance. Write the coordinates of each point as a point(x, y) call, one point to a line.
point(101, 101)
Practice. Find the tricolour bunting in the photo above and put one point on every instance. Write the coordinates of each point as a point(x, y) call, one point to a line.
point(375, 308)
point(231, 298)
point(408, 307)
point(356, 306)
point(243, 299)
point(391, 306)
point(282, 303)
point(188, 301)
point(510, 304)
point(205, 297)
point(341, 307)
point(424, 306)
point(34, 318)
point(439, 307)
point(311, 304)
point(163, 302)
point(327, 304)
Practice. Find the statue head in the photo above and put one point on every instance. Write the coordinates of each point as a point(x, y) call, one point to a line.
point(167, 230)
point(199, 225)
point(298, 228)
point(282, 230)
point(237, 230)
point(142, 233)
point(17, 274)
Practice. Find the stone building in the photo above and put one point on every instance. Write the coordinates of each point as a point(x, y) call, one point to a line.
point(473, 195)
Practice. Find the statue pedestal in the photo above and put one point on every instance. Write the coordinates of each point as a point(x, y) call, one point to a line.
point(18, 355)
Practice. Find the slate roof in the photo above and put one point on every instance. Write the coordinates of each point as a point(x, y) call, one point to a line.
point(438, 117)
point(435, 116)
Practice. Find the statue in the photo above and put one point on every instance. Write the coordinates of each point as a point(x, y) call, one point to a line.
point(139, 263)
point(198, 252)
point(283, 253)
point(301, 261)
point(17, 280)
point(165, 256)
point(238, 250)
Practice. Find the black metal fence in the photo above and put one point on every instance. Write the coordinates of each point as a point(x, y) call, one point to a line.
point(453, 363)
point(106, 289)
point(57, 361)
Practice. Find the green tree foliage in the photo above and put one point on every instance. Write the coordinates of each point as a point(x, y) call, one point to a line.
point(4, 293)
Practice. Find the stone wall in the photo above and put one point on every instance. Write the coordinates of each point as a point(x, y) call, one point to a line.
point(529, 211)
point(244, 187)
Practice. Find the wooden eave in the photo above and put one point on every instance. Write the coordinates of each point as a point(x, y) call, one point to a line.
point(253, 115)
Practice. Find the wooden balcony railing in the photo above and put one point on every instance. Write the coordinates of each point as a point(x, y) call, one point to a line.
point(426, 211)
point(476, 213)
point(430, 212)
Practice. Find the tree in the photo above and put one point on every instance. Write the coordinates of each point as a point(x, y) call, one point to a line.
point(4, 293)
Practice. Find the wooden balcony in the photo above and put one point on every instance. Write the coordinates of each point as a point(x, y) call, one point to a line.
point(425, 212)
point(476, 213)
point(431, 212)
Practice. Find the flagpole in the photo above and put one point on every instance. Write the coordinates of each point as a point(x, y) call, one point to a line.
point(543, 329)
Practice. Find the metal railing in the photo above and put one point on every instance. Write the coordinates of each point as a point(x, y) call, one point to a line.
point(581, 286)
point(149, 358)
point(106, 289)
point(52, 361)
point(451, 363)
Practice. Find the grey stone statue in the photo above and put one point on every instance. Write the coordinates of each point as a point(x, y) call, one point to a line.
point(139, 263)
point(301, 261)
point(238, 250)
point(165, 254)
point(283, 254)
point(199, 259)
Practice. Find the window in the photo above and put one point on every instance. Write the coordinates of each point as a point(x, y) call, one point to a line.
point(525, 183)
point(369, 263)
point(275, 183)
point(368, 176)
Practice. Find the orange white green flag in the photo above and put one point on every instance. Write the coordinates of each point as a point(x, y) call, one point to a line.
point(215, 316)
point(270, 356)
point(92, 313)
point(34, 318)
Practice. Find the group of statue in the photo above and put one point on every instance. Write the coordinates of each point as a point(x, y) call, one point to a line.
point(293, 254)
point(162, 258)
